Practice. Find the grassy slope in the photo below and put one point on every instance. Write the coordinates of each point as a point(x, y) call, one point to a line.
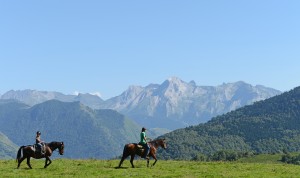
point(7, 148)
point(106, 168)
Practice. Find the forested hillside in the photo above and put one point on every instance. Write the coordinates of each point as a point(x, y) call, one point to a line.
point(265, 127)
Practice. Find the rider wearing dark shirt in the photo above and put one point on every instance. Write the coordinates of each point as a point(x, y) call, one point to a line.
point(38, 141)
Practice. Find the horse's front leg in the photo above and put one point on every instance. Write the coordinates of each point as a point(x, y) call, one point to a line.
point(47, 159)
point(28, 162)
point(154, 157)
point(148, 160)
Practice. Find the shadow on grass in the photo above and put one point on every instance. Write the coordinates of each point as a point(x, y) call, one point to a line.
point(117, 167)
point(26, 168)
point(138, 167)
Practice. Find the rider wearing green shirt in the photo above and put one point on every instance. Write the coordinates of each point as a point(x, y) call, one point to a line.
point(143, 142)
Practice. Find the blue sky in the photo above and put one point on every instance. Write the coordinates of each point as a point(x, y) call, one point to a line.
point(105, 46)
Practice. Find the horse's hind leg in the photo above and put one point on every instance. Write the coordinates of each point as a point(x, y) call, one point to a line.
point(28, 162)
point(131, 160)
point(20, 161)
point(122, 159)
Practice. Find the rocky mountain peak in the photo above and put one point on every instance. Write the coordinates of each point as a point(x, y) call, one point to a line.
point(175, 80)
point(175, 103)
point(173, 87)
point(132, 92)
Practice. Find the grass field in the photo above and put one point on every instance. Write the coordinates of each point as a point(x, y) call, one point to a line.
point(250, 167)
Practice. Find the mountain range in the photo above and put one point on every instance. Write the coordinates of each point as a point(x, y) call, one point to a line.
point(176, 104)
point(170, 105)
point(95, 128)
point(33, 97)
point(268, 126)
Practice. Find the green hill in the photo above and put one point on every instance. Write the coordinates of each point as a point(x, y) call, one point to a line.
point(7, 148)
point(267, 126)
point(87, 133)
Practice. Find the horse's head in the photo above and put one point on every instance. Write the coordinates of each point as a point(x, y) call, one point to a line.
point(61, 148)
point(162, 143)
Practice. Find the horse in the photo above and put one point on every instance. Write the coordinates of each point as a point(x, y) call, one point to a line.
point(133, 149)
point(28, 151)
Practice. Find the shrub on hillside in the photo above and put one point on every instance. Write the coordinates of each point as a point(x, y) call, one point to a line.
point(288, 158)
point(199, 157)
point(229, 155)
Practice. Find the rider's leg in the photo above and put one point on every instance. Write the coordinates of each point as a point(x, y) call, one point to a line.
point(147, 149)
point(41, 148)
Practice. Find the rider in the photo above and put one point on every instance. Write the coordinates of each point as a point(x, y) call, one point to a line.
point(143, 142)
point(39, 142)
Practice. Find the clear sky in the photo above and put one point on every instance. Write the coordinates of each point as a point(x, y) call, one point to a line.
point(105, 46)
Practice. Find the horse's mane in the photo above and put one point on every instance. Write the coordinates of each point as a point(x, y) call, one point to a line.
point(54, 143)
point(157, 142)
point(50, 143)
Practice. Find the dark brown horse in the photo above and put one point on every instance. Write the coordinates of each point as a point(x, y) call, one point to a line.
point(133, 149)
point(28, 151)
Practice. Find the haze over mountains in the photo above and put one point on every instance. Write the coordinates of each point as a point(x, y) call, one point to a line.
point(33, 97)
point(172, 104)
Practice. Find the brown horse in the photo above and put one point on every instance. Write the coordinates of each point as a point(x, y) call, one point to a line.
point(133, 149)
point(28, 151)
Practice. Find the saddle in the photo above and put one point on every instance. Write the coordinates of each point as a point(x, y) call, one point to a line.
point(140, 146)
point(140, 150)
point(39, 150)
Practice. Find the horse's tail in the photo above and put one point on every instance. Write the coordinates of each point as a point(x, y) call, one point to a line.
point(20, 153)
